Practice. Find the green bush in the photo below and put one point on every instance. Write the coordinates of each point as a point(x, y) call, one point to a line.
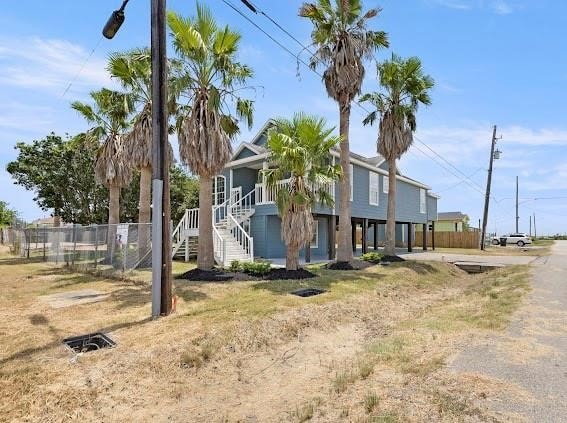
point(235, 266)
point(372, 257)
point(257, 268)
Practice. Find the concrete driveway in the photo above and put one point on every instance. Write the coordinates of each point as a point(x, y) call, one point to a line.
point(531, 356)
point(453, 258)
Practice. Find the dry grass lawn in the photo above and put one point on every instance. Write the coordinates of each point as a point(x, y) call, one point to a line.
point(373, 348)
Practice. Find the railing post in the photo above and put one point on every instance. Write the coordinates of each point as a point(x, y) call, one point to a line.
point(96, 246)
point(74, 244)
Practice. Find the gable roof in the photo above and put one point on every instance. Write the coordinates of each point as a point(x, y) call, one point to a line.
point(451, 216)
point(256, 149)
point(370, 163)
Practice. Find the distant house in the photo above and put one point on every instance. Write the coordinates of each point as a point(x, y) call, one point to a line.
point(247, 225)
point(45, 221)
point(452, 222)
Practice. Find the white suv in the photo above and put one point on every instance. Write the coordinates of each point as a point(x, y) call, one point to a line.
point(520, 239)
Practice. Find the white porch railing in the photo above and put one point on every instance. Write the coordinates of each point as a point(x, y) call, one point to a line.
point(188, 226)
point(227, 215)
point(268, 194)
point(242, 237)
point(219, 247)
point(242, 207)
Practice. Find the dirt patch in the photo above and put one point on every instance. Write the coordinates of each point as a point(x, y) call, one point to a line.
point(72, 298)
point(349, 265)
point(223, 276)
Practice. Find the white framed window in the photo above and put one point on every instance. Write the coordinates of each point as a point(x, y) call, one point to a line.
point(315, 239)
point(219, 186)
point(351, 182)
point(373, 188)
point(385, 185)
point(422, 201)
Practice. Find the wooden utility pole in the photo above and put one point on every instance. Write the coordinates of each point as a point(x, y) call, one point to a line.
point(535, 228)
point(161, 242)
point(487, 198)
point(517, 217)
point(530, 225)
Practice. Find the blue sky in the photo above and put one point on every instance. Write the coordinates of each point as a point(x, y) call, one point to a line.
point(494, 61)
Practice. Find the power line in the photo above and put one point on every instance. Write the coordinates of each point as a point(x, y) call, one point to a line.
point(460, 182)
point(299, 59)
point(81, 68)
point(251, 6)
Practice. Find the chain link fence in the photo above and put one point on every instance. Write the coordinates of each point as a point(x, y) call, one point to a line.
point(124, 246)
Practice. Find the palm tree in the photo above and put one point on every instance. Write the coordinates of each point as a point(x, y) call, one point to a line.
point(404, 87)
point(343, 41)
point(134, 71)
point(299, 149)
point(212, 81)
point(109, 117)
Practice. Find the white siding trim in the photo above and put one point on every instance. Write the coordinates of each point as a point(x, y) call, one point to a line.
point(373, 188)
point(422, 201)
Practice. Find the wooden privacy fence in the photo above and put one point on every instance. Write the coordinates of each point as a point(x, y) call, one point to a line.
point(449, 239)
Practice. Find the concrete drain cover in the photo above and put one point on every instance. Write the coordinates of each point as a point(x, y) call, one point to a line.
point(308, 292)
point(90, 342)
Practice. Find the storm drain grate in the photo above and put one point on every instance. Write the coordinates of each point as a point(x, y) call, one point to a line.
point(90, 342)
point(308, 292)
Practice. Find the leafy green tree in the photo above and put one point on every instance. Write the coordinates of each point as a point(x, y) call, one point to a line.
point(404, 86)
point(7, 215)
point(184, 192)
point(211, 81)
point(343, 40)
point(299, 149)
point(61, 174)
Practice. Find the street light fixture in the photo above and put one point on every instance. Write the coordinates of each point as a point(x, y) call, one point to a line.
point(114, 22)
point(161, 211)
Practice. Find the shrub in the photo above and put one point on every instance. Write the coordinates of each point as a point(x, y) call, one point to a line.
point(235, 266)
point(259, 268)
point(372, 257)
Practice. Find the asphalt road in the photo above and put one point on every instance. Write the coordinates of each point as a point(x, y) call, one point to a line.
point(531, 356)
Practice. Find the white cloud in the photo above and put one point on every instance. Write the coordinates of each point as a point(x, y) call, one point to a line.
point(500, 7)
point(455, 4)
point(49, 64)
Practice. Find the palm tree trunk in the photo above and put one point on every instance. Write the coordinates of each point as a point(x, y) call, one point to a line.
point(390, 245)
point(113, 218)
point(205, 255)
point(144, 211)
point(344, 251)
point(292, 257)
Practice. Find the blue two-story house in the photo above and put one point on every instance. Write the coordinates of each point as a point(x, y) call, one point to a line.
point(247, 225)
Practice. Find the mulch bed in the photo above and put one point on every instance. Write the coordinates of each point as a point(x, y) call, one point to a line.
point(225, 276)
point(393, 259)
point(276, 274)
point(350, 265)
